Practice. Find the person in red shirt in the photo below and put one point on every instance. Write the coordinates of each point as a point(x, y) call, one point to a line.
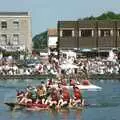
point(65, 98)
point(53, 98)
point(77, 99)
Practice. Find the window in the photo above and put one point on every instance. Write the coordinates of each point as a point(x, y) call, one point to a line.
point(16, 24)
point(105, 33)
point(15, 39)
point(4, 25)
point(67, 33)
point(86, 33)
point(4, 39)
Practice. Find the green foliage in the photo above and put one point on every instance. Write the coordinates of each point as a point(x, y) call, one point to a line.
point(40, 41)
point(105, 16)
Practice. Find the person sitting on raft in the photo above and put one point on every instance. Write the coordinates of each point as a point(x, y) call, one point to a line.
point(77, 99)
point(24, 98)
point(53, 100)
point(40, 94)
point(20, 95)
point(65, 98)
point(33, 92)
point(44, 86)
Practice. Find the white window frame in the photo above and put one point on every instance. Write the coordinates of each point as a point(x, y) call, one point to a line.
point(99, 31)
point(4, 39)
point(92, 31)
point(15, 40)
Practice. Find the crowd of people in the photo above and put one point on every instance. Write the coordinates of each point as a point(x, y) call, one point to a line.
point(63, 66)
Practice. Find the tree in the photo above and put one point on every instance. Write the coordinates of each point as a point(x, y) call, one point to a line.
point(105, 16)
point(40, 41)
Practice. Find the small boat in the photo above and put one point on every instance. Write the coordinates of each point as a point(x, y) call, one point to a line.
point(90, 87)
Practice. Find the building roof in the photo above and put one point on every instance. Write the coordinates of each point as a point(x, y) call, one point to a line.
point(52, 32)
point(14, 13)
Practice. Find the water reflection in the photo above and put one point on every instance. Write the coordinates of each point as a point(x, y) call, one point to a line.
point(53, 115)
point(65, 114)
point(78, 115)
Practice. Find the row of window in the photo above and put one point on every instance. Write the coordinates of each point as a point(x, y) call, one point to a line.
point(88, 33)
point(4, 24)
point(14, 40)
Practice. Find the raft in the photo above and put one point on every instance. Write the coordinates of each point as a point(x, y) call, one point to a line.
point(39, 107)
point(28, 106)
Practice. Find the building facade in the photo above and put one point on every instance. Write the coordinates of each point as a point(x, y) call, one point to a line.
point(52, 38)
point(15, 31)
point(89, 34)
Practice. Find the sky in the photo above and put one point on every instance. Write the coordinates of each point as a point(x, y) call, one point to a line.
point(46, 13)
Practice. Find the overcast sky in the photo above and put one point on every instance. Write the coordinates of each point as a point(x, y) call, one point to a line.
point(46, 13)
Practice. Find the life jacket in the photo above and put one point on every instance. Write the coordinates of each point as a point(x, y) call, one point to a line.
point(77, 94)
point(54, 97)
point(66, 96)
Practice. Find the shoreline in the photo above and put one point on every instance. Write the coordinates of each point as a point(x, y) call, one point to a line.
point(35, 76)
point(104, 76)
point(46, 76)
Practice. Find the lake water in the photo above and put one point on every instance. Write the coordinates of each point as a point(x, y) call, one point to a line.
point(103, 105)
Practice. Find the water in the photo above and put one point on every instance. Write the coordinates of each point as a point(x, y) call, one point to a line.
point(103, 105)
